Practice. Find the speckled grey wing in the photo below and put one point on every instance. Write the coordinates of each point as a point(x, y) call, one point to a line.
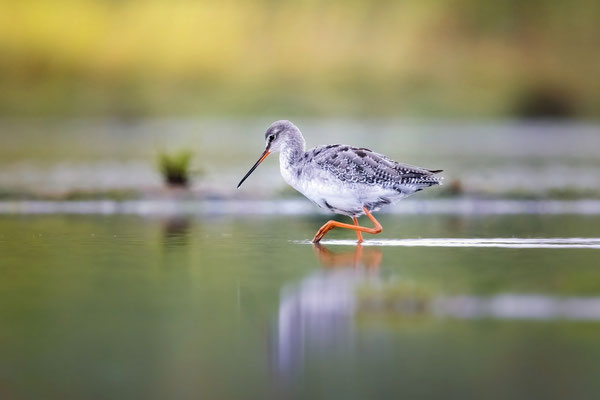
point(363, 166)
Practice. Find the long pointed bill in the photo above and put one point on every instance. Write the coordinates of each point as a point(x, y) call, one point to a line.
point(262, 157)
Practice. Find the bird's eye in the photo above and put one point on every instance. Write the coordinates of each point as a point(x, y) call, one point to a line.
point(271, 138)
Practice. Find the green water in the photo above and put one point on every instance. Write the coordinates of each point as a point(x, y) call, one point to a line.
point(107, 307)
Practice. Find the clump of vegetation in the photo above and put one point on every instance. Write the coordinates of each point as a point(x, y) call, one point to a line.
point(175, 167)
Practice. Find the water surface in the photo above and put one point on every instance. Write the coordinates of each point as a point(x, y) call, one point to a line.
point(125, 306)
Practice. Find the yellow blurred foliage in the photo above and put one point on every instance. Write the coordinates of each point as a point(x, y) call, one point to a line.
point(462, 57)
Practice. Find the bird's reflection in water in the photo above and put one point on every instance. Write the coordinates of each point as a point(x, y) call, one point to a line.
point(316, 315)
point(369, 258)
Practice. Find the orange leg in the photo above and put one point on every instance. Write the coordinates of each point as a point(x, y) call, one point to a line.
point(334, 224)
point(358, 233)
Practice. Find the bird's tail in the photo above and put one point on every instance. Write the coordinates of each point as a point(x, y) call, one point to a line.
point(434, 180)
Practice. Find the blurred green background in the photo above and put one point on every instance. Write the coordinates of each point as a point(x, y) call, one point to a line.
point(459, 58)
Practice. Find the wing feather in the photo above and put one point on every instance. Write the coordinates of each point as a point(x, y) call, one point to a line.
point(363, 166)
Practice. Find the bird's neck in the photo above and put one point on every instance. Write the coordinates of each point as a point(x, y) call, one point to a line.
point(292, 151)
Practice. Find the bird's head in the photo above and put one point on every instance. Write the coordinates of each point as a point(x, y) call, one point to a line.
point(279, 134)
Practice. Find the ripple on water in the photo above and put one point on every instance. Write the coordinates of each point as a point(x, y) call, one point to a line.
point(523, 243)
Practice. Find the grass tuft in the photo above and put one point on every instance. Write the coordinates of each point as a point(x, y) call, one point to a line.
point(175, 167)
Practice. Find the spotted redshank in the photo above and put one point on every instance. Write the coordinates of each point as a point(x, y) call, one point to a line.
point(343, 179)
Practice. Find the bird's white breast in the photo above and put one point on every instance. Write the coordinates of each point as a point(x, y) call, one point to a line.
point(328, 192)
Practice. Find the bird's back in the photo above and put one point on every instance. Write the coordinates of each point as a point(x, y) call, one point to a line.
point(361, 166)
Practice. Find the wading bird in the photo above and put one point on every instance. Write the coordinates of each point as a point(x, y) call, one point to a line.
point(343, 179)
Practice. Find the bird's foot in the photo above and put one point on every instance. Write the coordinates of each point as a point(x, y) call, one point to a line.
point(322, 231)
point(318, 236)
